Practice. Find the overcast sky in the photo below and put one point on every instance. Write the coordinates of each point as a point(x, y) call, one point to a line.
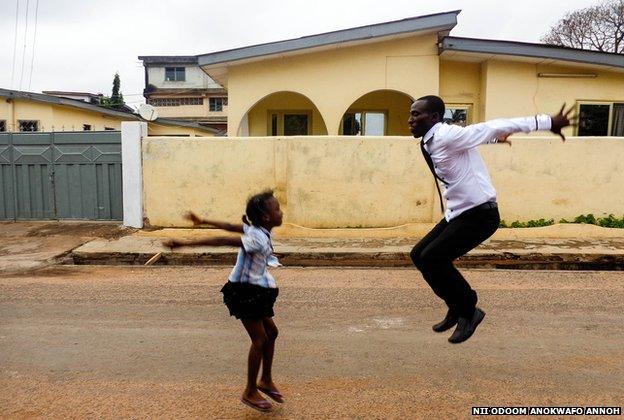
point(80, 44)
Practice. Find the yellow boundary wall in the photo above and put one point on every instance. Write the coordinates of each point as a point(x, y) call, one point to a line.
point(339, 182)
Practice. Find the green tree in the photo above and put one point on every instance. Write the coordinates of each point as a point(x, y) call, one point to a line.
point(116, 99)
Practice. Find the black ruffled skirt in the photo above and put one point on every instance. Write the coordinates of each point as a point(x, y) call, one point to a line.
point(249, 301)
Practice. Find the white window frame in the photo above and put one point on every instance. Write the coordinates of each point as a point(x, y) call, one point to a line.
point(364, 112)
point(175, 74)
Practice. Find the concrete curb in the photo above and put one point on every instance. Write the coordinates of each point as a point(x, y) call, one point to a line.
point(476, 259)
point(559, 247)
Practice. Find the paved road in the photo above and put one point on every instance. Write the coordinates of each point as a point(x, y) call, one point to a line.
point(157, 342)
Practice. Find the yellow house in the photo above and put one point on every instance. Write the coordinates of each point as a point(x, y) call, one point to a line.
point(26, 111)
point(361, 81)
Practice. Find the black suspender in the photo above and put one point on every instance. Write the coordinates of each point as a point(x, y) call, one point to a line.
point(429, 161)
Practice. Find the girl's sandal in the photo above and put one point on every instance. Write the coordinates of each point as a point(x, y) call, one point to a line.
point(274, 395)
point(263, 406)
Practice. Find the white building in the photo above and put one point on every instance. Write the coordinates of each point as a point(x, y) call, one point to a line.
point(179, 89)
point(92, 98)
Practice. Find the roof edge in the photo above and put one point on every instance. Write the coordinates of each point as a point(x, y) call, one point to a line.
point(182, 123)
point(441, 21)
point(168, 59)
point(526, 49)
point(58, 100)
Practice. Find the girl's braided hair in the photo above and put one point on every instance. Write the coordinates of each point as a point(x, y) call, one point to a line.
point(257, 208)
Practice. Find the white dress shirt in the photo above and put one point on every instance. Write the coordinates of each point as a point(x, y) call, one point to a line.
point(458, 163)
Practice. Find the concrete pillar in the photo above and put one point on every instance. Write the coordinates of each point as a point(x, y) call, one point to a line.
point(132, 172)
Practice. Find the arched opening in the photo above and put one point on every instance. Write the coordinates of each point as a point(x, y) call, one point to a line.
point(378, 113)
point(283, 114)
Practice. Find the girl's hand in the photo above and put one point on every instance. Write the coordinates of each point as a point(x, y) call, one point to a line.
point(172, 243)
point(193, 218)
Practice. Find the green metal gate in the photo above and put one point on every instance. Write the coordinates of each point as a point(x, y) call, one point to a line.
point(61, 175)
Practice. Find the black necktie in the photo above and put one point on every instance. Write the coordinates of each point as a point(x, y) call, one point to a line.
point(429, 161)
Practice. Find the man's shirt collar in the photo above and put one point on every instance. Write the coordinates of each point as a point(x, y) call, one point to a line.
point(429, 134)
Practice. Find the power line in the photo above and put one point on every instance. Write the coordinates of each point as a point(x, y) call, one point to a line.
point(32, 60)
point(24, 50)
point(15, 41)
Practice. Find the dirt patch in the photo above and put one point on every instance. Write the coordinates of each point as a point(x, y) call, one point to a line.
point(66, 271)
point(33, 245)
point(98, 230)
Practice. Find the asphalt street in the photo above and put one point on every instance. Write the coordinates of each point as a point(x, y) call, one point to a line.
point(141, 342)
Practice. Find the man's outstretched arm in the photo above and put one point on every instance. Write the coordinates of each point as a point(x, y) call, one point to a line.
point(490, 131)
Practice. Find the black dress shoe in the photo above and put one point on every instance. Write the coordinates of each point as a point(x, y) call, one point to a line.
point(466, 327)
point(447, 323)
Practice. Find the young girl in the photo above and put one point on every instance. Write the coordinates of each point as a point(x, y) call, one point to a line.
point(251, 290)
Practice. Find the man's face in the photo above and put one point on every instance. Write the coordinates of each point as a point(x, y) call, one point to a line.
point(421, 120)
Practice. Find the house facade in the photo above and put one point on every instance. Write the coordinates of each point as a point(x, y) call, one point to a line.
point(178, 88)
point(361, 81)
point(36, 112)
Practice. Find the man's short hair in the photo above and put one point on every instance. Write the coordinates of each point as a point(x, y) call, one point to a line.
point(434, 104)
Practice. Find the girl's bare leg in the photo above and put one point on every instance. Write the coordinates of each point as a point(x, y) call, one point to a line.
point(256, 331)
point(266, 380)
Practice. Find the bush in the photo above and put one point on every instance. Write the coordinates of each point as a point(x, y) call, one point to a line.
point(611, 222)
point(530, 223)
point(589, 219)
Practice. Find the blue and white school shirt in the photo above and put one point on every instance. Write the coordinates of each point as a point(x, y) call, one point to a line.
point(254, 257)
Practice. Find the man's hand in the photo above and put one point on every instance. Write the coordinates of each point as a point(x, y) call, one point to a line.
point(193, 218)
point(504, 139)
point(562, 120)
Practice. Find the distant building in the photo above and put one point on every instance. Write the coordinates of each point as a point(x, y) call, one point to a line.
point(179, 89)
point(92, 98)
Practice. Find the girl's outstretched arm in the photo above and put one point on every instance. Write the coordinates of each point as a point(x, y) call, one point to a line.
point(230, 227)
point(223, 241)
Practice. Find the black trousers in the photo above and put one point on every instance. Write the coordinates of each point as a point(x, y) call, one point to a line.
point(435, 253)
